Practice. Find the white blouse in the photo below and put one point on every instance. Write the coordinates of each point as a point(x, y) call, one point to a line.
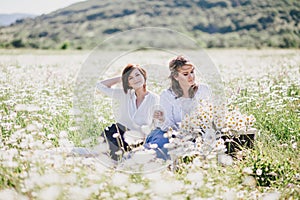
point(126, 111)
point(176, 108)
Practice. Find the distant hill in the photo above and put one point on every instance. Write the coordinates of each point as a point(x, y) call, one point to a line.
point(213, 23)
point(7, 19)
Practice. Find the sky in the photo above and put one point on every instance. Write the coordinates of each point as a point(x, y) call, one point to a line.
point(36, 7)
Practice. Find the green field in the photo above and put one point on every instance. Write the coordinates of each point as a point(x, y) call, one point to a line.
point(39, 127)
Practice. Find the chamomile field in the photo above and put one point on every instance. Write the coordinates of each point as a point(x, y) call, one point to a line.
point(40, 125)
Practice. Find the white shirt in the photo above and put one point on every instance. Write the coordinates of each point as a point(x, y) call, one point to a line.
point(126, 111)
point(176, 108)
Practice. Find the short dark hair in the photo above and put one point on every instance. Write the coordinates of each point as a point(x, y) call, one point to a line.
point(126, 72)
point(174, 65)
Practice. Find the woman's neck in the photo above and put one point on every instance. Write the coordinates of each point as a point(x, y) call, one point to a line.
point(185, 92)
point(140, 95)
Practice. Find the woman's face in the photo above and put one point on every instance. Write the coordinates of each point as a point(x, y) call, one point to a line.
point(136, 79)
point(186, 76)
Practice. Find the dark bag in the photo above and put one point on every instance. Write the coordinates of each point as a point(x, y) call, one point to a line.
point(236, 142)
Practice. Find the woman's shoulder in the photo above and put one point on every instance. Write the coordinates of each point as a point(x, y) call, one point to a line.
point(152, 94)
point(168, 92)
point(153, 97)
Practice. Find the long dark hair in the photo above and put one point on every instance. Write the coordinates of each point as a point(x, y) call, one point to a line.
point(126, 72)
point(174, 65)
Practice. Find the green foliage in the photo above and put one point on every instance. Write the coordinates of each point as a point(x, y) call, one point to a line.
point(273, 163)
point(268, 171)
point(213, 23)
point(275, 110)
point(288, 41)
point(17, 43)
point(274, 101)
point(65, 45)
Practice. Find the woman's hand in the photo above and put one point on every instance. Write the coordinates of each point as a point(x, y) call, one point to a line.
point(158, 118)
point(159, 115)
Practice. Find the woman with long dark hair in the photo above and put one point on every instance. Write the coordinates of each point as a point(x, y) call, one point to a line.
point(176, 101)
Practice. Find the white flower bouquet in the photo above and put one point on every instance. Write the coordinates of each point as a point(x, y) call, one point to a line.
point(211, 130)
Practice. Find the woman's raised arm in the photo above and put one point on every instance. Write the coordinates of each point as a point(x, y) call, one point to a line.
point(112, 81)
point(105, 87)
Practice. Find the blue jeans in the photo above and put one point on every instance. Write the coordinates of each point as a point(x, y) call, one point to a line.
point(157, 137)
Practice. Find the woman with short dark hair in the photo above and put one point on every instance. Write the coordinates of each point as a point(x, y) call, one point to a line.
point(135, 105)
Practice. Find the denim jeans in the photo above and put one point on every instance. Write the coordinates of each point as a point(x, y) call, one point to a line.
point(157, 137)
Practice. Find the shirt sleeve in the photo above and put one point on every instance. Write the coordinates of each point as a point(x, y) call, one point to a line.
point(110, 92)
point(167, 101)
point(151, 105)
